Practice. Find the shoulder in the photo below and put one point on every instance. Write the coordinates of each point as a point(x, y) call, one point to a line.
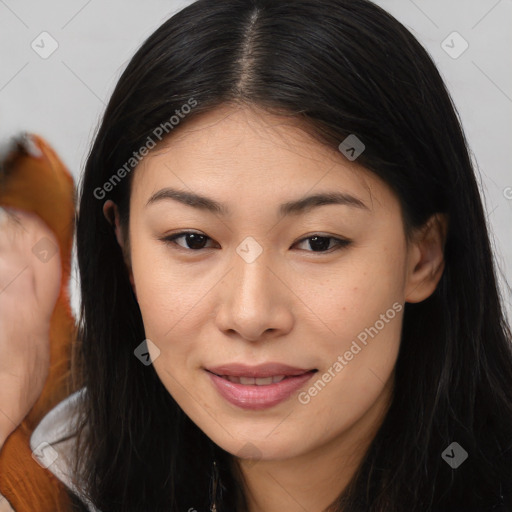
point(53, 442)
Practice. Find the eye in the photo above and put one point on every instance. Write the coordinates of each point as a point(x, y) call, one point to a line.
point(320, 243)
point(197, 241)
point(192, 240)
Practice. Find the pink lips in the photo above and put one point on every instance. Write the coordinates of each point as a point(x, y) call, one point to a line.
point(258, 387)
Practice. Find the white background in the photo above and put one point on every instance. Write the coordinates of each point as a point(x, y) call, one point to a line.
point(62, 97)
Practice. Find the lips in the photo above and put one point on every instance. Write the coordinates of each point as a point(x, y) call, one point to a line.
point(258, 387)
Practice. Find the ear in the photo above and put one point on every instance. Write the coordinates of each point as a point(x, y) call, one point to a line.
point(426, 263)
point(111, 213)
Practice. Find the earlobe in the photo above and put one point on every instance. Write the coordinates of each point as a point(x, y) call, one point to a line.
point(426, 259)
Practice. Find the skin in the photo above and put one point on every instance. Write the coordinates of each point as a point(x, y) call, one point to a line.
point(29, 289)
point(292, 304)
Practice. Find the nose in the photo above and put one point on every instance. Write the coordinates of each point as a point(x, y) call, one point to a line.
point(254, 301)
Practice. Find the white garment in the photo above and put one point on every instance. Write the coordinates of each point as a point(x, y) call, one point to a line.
point(51, 447)
point(4, 504)
point(51, 443)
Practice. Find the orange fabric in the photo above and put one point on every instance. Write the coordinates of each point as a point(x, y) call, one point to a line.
point(41, 185)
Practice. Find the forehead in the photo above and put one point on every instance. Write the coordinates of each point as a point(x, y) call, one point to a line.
point(254, 153)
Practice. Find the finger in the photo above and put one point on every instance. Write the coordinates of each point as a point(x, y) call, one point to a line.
point(47, 268)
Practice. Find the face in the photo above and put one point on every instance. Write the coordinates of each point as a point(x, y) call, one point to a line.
point(238, 291)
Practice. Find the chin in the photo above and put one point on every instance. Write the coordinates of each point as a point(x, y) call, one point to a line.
point(260, 446)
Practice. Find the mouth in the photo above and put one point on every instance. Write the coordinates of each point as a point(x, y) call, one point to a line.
point(258, 387)
point(260, 381)
point(254, 381)
point(260, 371)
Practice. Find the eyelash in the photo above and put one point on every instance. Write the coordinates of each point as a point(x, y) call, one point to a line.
point(340, 242)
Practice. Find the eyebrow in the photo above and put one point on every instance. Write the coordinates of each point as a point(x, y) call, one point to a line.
point(295, 207)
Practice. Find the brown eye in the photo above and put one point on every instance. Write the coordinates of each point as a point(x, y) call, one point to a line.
point(192, 241)
point(319, 243)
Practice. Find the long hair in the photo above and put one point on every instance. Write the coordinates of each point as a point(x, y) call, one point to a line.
point(341, 67)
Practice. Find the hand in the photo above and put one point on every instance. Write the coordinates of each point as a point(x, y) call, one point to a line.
point(29, 288)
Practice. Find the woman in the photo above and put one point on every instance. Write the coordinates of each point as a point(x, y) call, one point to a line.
point(279, 213)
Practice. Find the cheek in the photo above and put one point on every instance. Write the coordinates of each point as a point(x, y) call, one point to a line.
point(168, 300)
point(360, 311)
point(354, 295)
